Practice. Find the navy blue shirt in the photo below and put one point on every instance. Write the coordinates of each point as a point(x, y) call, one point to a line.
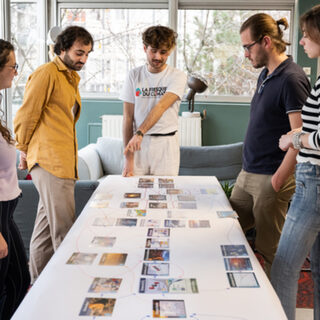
point(278, 94)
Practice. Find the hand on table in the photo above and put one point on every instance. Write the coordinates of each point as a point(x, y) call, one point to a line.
point(23, 161)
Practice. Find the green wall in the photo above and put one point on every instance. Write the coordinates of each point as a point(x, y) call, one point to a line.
point(225, 122)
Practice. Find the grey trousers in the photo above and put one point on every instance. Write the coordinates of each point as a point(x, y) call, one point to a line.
point(55, 216)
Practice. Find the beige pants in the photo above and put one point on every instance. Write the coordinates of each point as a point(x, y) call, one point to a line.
point(159, 156)
point(259, 206)
point(55, 216)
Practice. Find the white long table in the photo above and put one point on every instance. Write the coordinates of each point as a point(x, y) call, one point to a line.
point(61, 289)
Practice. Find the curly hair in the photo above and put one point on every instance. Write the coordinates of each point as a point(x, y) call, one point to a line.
point(261, 24)
point(67, 37)
point(159, 36)
point(5, 49)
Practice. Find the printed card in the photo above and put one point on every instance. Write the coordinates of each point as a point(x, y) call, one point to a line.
point(243, 280)
point(129, 204)
point(227, 214)
point(186, 197)
point(132, 195)
point(169, 309)
point(150, 223)
point(157, 197)
point(113, 259)
point(199, 223)
point(82, 258)
point(97, 307)
point(103, 241)
point(158, 232)
point(156, 243)
point(156, 255)
point(126, 222)
point(154, 286)
point(166, 180)
point(208, 191)
point(105, 285)
point(174, 191)
point(155, 269)
point(136, 213)
point(174, 223)
point(103, 221)
point(237, 264)
point(187, 205)
point(103, 196)
point(158, 205)
point(99, 204)
point(234, 250)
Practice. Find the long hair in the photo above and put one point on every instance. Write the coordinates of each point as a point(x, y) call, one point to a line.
point(310, 23)
point(261, 24)
point(5, 49)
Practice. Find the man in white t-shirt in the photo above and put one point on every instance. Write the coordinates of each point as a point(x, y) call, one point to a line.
point(151, 97)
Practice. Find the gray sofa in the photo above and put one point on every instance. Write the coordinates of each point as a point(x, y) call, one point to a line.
point(106, 157)
point(25, 213)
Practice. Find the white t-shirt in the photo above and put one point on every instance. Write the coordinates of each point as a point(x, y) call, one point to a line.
point(144, 89)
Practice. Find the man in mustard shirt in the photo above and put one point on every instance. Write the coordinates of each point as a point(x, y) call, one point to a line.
point(46, 136)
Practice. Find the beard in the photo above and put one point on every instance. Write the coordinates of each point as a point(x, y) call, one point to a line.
point(77, 66)
point(261, 60)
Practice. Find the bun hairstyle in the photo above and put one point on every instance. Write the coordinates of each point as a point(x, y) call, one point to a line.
point(261, 24)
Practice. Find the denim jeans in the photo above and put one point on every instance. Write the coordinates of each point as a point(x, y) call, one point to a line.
point(300, 235)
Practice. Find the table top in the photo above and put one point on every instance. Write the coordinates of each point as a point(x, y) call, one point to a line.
point(139, 250)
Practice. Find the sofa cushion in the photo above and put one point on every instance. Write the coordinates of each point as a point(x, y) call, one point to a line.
point(110, 151)
point(224, 161)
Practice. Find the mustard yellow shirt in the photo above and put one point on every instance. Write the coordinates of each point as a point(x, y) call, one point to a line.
point(45, 124)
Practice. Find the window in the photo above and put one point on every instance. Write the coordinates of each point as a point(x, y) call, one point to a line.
point(209, 44)
point(25, 37)
point(117, 44)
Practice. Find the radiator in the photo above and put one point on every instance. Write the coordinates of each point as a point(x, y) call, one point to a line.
point(189, 129)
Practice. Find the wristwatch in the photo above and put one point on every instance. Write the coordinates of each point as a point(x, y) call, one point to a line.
point(296, 140)
point(139, 133)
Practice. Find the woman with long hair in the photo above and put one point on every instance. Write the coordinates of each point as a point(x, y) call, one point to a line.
point(301, 232)
point(14, 274)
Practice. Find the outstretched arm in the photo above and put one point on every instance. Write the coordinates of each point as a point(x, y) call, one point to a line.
point(154, 115)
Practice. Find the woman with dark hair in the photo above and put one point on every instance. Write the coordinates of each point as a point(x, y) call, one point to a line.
point(301, 232)
point(14, 274)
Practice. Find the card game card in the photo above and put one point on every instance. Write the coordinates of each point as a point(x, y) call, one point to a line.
point(165, 180)
point(174, 191)
point(126, 222)
point(187, 205)
point(169, 309)
point(151, 285)
point(158, 232)
point(156, 243)
point(105, 285)
point(234, 250)
point(186, 197)
point(97, 307)
point(113, 259)
point(156, 255)
point(237, 264)
point(136, 213)
point(103, 241)
point(129, 204)
point(157, 197)
point(132, 195)
point(103, 221)
point(103, 196)
point(158, 205)
point(174, 223)
point(155, 269)
point(99, 204)
point(199, 224)
point(82, 258)
point(243, 280)
point(150, 223)
point(227, 214)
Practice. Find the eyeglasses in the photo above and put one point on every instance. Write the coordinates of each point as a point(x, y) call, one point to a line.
point(15, 67)
point(247, 47)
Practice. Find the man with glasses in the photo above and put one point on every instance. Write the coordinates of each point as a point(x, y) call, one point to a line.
point(46, 136)
point(266, 183)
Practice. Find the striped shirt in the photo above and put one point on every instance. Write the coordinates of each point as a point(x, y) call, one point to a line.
point(311, 125)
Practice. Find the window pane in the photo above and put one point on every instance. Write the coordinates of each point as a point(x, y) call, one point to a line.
point(209, 44)
point(25, 38)
point(118, 45)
